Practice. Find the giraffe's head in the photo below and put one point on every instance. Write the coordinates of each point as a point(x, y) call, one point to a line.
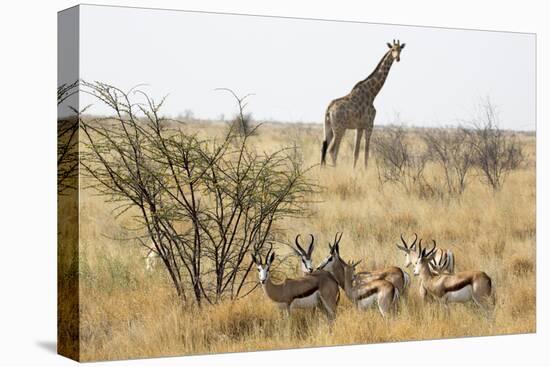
point(396, 48)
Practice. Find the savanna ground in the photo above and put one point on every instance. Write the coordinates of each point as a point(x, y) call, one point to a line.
point(128, 312)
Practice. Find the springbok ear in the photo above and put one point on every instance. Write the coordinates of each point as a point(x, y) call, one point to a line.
point(402, 248)
point(254, 259)
point(271, 258)
point(389, 45)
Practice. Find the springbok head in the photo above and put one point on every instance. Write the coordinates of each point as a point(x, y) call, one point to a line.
point(305, 256)
point(409, 250)
point(349, 271)
point(263, 267)
point(424, 257)
point(396, 48)
point(334, 253)
point(351, 265)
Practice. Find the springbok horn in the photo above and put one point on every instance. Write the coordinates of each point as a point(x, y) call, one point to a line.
point(300, 249)
point(404, 242)
point(432, 250)
point(337, 245)
point(268, 252)
point(446, 259)
point(402, 248)
point(333, 246)
point(414, 242)
point(310, 248)
point(269, 260)
point(339, 238)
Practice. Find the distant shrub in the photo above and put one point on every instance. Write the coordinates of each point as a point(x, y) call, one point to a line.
point(397, 162)
point(449, 149)
point(241, 124)
point(495, 152)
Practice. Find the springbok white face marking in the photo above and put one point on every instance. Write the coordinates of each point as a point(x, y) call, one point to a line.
point(263, 272)
point(151, 260)
point(408, 261)
point(423, 257)
point(409, 250)
point(417, 268)
point(307, 265)
point(329, 261)
point(305, 256)
point(263, 269)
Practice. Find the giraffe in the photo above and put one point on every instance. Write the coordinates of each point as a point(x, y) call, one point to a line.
point(356, 111)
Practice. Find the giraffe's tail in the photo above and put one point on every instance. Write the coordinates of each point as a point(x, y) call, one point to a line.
point(324, 148)
point(326, 141)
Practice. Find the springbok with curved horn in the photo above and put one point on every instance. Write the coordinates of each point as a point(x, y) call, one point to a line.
point(362, 294)
point(305, 256)
point(460, 287)
point(151, 260)
point(393, 274)
point(317, 289)
point(411, 255)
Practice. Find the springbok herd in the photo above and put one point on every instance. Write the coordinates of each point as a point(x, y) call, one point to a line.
point(320, 287)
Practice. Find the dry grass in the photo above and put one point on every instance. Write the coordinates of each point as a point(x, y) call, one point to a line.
point(126, 312)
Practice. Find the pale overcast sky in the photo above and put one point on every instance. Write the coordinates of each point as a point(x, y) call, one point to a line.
point(296, 67)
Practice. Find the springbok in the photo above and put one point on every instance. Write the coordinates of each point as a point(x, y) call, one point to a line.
point(393, 274)
point(317, 289)
point(362, 294)
point(151, 260)
point(460, 287)
point(305, 256)
point(411, 255)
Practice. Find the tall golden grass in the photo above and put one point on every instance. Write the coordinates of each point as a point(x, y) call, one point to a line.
point(127, 312)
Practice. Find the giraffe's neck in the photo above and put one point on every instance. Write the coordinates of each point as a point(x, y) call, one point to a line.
point(375, 81)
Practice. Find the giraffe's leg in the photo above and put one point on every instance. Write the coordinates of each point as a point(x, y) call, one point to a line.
point(368, 134)
point(358, 136)
point(335, 145)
